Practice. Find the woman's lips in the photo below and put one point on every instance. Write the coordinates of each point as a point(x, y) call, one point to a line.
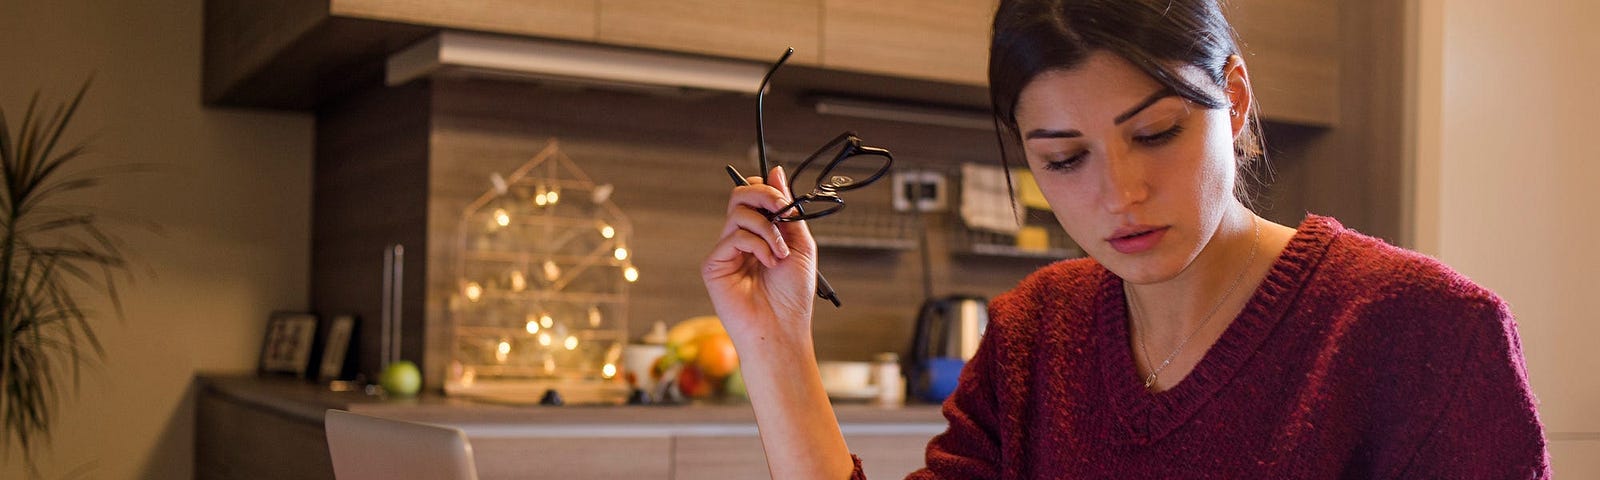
point(1130, 240)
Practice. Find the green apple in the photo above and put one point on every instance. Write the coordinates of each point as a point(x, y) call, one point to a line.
point(401, 379)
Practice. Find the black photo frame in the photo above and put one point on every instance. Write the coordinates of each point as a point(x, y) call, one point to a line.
point(336, 339)
point(286, 346)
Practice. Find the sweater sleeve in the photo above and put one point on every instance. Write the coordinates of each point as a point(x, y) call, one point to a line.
point(1488, 426)
point(970, 446)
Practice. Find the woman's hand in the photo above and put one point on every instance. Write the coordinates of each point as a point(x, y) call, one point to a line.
point(762, 275)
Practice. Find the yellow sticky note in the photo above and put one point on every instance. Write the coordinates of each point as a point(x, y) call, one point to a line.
point(1028, 190)
point(1033, 239)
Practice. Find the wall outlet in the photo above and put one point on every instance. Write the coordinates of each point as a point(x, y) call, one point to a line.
point(920, 191)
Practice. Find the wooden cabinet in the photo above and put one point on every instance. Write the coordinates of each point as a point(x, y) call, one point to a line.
point(248, 428)
point(750, 29)
point(295, 55)
point(566, 19)
point(946, 41)
point(882, 455)
point(1292, 50)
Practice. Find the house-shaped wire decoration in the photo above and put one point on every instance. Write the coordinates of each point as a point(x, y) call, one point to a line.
point(541, 293)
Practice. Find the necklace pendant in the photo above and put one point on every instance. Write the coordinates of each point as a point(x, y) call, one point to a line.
point(1150, 380)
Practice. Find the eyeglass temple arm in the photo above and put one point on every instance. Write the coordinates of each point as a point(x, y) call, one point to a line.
point(761, 130)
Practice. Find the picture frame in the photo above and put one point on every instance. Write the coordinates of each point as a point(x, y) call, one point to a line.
point(335, 348)
point(286, 345)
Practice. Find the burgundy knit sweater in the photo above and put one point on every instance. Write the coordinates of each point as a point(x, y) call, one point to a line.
point(1353, 359)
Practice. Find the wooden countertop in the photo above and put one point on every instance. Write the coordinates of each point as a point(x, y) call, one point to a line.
point(307, 402)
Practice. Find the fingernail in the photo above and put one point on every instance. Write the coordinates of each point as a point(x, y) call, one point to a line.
point(783, 248)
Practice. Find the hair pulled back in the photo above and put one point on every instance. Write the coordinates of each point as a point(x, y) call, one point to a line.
point(1157, 36)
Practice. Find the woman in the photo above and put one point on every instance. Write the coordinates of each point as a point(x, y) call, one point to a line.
point(1197, 339)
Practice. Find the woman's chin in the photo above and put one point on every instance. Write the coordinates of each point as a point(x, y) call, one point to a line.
point(1141, 269)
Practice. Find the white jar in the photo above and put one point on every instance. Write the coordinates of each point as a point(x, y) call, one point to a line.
point(891, 384)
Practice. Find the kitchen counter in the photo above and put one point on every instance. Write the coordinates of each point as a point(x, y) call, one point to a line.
point(247, 421)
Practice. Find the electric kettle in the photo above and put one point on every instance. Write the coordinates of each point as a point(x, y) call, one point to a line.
point(947, 334)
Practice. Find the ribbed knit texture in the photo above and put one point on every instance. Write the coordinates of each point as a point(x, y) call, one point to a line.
point(1353, 359)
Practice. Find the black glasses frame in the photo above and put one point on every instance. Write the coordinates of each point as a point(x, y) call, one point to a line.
point(823, 200)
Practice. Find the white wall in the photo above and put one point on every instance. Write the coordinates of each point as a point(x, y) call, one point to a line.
point(1508, 186)
point(232, 196)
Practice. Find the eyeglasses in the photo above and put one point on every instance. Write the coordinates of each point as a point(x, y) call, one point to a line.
point(847, 153)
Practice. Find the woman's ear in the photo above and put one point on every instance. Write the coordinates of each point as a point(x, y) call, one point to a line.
point(1240, 100)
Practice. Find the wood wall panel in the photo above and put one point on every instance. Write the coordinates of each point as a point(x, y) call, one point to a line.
point(665, 155)
point(370, 191)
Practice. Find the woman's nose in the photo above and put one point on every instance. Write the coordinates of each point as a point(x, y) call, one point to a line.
point(1126, 184)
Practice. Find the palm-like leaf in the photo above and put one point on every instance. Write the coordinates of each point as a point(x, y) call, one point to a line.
point(48, 253)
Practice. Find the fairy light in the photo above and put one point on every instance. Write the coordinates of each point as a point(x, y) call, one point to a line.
point(473, 291)
point(608, 371)
point(502, 351)
point(546, 321)
point(571, 342)
point(533, 325)
point(630, 274)
point(551, 271)
point(544, 339)
point(621, 253)
point(606, 231)
point(552, 197)
point(518, 282)
point(594, 317)
point(501, 217)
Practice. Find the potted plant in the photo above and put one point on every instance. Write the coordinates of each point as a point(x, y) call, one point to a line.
point(54, 259)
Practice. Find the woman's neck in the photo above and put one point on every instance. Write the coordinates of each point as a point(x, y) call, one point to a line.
point(1216, 284)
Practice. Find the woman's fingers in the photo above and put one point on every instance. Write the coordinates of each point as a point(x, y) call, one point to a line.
point(754, 222)
point(731, 249)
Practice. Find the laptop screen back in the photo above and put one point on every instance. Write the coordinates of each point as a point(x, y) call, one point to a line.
point(371, 448)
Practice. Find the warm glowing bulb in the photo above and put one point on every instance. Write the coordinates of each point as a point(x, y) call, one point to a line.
point(501, 217)
point(551, 271)
point(502, 351)
point(594, 316)
point(518, 282)
point(621, 253)
point(544, 339)
point(553, 197)
point(540, 200)
point(473, 291)
point(571, 343)
point(546, 321)
point(607, 232)
point(532, 326)
point(630, 274)
point(609, 370)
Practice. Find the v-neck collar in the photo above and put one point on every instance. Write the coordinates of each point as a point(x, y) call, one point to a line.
point(1143, 417)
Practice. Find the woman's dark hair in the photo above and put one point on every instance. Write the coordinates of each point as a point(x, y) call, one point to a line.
point(1156, 36)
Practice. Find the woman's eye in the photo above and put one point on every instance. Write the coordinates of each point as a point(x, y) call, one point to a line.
point(1059, 163)
point(1160, 138)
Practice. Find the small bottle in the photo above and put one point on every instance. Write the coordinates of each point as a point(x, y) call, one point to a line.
point(891, 385)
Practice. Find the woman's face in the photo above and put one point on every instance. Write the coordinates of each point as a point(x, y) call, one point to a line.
point(1138, 176)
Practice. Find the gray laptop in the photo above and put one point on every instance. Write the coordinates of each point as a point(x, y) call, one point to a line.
point(372, 448)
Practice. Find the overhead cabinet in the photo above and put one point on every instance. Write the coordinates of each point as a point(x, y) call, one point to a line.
point(294, 54)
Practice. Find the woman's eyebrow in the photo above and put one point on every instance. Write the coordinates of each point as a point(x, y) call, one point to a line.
point(1160, 94)
point(1072, 133)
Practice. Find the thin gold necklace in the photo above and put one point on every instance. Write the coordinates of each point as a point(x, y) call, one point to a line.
point(1151, 379)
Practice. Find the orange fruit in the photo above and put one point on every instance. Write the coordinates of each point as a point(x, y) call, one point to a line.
point(715, 356)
